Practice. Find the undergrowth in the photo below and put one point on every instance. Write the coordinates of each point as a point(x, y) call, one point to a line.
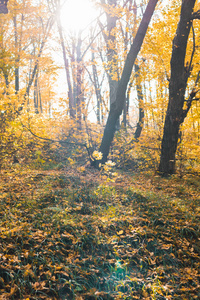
point(66, 236)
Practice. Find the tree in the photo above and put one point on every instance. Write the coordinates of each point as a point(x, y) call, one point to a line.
point(55, 7)
point(178, 105)
point(120, 28)
point(97, 86)
point(24, 33)
point(118, 105)
point(141, 103)
point(110, 40)
point(3, 7)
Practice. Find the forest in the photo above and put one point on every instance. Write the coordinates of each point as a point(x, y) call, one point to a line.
point(99, 149)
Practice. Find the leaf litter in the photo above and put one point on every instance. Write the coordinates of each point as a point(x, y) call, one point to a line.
point(66, 236)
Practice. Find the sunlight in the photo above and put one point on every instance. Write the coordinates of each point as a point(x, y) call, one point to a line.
point(76, 15)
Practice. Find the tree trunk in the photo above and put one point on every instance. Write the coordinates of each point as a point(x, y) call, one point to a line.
point(110, 40)
point(118, 105)
point(141, 103)
point(132, 7)
point(79, 94)
point(3, 7)
point(97, 87)
point(17, 58)
point(177, 86)
point(35, 94)
point(72, 109)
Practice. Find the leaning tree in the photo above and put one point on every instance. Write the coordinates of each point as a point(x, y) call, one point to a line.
point(117, 106)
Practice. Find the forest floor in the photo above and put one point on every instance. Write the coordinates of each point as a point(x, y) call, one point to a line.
point(75, 234)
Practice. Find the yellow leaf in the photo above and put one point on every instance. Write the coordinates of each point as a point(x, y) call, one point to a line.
point(13, 290)
point(120, 232)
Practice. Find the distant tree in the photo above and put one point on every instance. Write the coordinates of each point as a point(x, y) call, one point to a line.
point(55, 7)
point(3, 6)
point(97, 86)
point(140, 122)
point(178, 105)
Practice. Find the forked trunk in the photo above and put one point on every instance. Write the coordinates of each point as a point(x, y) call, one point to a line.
point(179, 75)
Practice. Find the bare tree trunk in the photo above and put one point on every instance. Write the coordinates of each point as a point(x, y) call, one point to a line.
point(49, 102)
point(118, 105)
point(3, 7)
point(141, 103)
point(127, 104)
point(17, 58)
point(40, 98)
point(72, 110)
point(35, 94)
point(79, 95)
point(177, 87)
point(74, 74)
point(4, 68)
point(97, 88)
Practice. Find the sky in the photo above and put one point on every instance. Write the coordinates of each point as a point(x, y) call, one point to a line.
point(77, 14)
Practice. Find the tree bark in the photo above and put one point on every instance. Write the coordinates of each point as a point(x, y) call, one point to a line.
point(112, 53)
point(110, 39)
point(17, 57)
point(141, 103)
point(177, 87)
point(117, 107)
point(97, 87)
point(35, 94)
point(79, 83)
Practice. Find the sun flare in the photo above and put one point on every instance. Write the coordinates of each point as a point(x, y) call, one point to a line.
point(76, 15)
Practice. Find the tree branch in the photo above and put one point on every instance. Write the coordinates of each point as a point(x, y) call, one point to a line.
point(51, 140)
point(49, 25)
point(191, 97)
point(196, 15)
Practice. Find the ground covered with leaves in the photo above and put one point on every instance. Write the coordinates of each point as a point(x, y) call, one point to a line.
point(66, 236)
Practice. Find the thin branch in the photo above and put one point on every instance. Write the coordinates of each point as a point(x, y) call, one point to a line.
point(193, 50)
point(196, 15)
point(197, 79)
point(92, 41)
point(191, 97)
point(49, 25)
point(51, 140)
point(126, 2)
